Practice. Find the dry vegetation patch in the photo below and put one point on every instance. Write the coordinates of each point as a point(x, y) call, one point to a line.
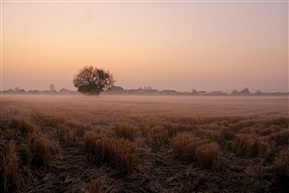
point(120, 152)
point(280, 121)
point(207, 155)
point(40, 150)
point(241, 124)
point(201, 151)
point(77, 126)
point(143, 146)
point(22, 124)
point(280, 138)
point(227, 134)
point(185, 146)
point(95, 186)
point(281, 170)
point(249, 145)
point(8, 168)
point(125, 130)
point(157, 136)
point(51, 121)
point(172, 128)
point(66, 134)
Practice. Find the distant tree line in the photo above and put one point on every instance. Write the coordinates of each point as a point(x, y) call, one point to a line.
point(22, 91)
point(150, 91)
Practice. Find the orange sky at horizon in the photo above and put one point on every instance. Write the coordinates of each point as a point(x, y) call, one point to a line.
point(206, 46)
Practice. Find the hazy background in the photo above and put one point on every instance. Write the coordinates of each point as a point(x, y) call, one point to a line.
point(165, 45)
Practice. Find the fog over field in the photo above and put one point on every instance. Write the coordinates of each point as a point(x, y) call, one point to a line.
point(174, 105)
point(59, 143)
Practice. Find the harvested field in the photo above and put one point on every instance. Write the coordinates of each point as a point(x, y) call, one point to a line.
point(143, 144)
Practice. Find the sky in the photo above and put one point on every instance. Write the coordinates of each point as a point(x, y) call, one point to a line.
point(205, 45)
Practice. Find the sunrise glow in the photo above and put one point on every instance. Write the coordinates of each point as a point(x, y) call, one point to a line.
point(165, 45)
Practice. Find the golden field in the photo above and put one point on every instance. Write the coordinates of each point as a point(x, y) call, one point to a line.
point(143, 144)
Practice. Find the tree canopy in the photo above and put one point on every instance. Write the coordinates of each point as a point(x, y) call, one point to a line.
point(92, 80)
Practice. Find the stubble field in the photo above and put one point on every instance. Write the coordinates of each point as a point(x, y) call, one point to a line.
point(143, 144)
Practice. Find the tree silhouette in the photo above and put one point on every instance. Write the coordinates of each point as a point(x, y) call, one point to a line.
point(92, 80)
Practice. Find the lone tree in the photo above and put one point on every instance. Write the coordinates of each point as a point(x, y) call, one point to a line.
point(92, 80)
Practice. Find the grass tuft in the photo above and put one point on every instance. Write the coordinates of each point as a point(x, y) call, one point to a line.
point(39, 150)
point(23, 125)
point(65, 134)
point(281, 172)
point(185, 146)
point(207, 155)
point(280, 138)
point(227, 134)
point(249, 145)
point(157, 136)
point(172, 128)
point(281, 167)
point(119, 152)
point(8, 168)
point(125, 130)
point(201, 151)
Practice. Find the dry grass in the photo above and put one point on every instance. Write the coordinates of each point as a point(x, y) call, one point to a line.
point(281, 172)
point(280, 121)
point(22, 124)
point(125, 130)
point(249, 145)
point(120, 152)
point(145, 123)
point(172, 128)
point(217, 165)
point(201, 151)
point(281, 167)
point(227, 134)
point(103, 132)
point(212, 135)
point(40, 150)
point(157, 136)
point(241, 124)
point(66, 134)
point(207, 155)
point(185, 146)
point(280, 138)
point(151, 144)
point(8, 168)
point(78, 128)
point(198, 181)
point(94, 186)
point(266, 131)
point(51, 121)
point(68, 131)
